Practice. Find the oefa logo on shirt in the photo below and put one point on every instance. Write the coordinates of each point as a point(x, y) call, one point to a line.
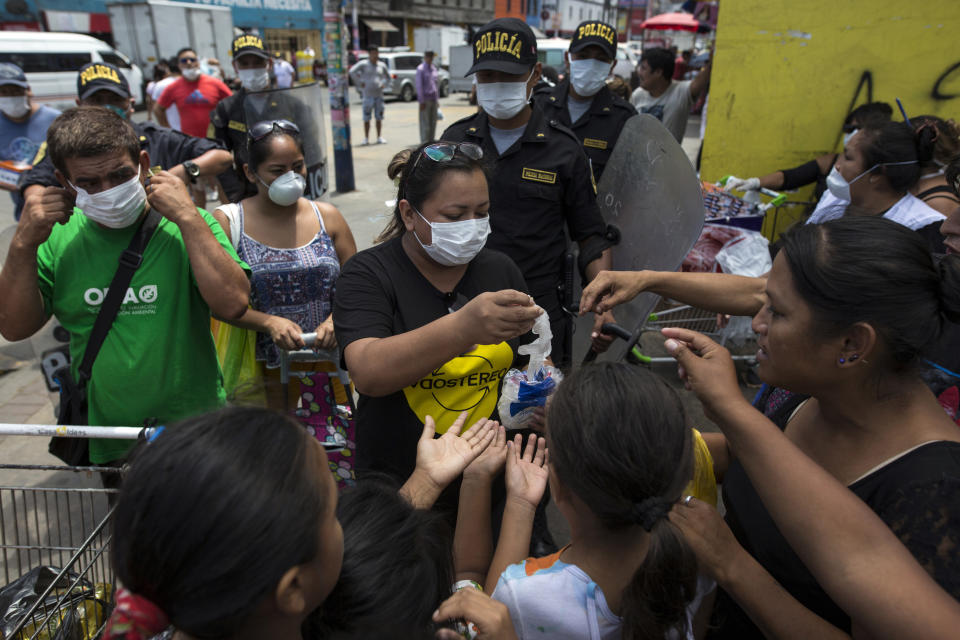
point(136, 301)
point(469, 382)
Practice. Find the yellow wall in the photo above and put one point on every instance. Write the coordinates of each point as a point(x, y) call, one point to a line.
point(786, 72)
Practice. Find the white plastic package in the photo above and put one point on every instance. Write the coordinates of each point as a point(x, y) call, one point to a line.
point(524, 391)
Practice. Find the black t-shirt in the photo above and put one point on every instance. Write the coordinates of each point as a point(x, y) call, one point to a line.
point(916, 495)
point(381, 293)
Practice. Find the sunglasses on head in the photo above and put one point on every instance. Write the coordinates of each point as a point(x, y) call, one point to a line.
point(265, 128)
point(445, 151)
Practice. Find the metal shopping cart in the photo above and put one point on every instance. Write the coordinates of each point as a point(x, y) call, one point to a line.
point(55, 540)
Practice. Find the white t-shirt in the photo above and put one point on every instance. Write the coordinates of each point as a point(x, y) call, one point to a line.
point(910, 211)
point(173, 115)
point(283, 70)
point(556, 600)
point(672, 107)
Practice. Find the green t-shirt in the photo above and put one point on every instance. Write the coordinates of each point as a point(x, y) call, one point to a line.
point(158, 360)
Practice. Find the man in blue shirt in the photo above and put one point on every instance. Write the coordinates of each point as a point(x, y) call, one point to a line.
point(23, 129)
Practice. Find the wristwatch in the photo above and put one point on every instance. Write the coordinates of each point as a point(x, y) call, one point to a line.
point(193, 170)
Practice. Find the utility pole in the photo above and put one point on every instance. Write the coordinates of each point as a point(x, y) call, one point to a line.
point(335, 52)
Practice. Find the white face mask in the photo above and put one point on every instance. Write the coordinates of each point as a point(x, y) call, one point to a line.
point(587, 77)
point(116, 208)
point(839, 186)
point(191, 74)
point(254, 79)
point(455, 243)
point(286, 189)
point(15, 106)
point(503, 100)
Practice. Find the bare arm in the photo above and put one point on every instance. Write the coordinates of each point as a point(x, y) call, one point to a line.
point(221, 281)
point(701, 82)
point(855, 557)
point(211, 163)
point(720, 452)
point(161, 114)
point(339, 231)
point(22, 313)
point(720, 292)
point(603, 263)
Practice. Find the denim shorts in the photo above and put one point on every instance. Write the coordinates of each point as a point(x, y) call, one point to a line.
point(373, 105)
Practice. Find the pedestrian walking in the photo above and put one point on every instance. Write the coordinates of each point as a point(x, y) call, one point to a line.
point(426, 84)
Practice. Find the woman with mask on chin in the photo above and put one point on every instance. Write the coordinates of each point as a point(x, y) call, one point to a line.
point(873, 176)
point(294, 247)
point(429, 320)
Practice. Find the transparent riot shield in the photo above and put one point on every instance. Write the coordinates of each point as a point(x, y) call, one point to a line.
point(303, 106)
point(650, 197)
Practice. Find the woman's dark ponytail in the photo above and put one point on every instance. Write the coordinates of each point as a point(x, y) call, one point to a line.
point(655, 600)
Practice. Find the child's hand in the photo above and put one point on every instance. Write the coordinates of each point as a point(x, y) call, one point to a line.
point(489, 463)
point(442, 459)
point(490, 617)
point(526, 475)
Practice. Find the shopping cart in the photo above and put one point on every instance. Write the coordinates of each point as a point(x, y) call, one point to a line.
point(55, 541)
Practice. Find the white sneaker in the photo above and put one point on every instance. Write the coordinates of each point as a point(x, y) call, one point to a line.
point(364, 143)
point(381, 140)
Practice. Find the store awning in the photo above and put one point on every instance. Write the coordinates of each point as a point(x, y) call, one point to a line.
point(379, 25)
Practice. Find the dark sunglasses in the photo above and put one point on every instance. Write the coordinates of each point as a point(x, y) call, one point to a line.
point(265, 128)
point(445, 151)
point(186, 60)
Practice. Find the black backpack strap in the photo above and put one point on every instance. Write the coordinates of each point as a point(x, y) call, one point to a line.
point(130, 260)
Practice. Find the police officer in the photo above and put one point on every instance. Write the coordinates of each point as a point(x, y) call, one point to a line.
point(582, 101)
point(188, 158)
point(541, 181)
point(233, 115)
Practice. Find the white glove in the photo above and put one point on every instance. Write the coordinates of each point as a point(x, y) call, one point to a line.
point(742, 184)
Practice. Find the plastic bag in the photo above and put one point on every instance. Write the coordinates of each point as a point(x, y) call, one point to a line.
point(242, 374)
point(524, 391)
point(746, 255)
point(80, 614)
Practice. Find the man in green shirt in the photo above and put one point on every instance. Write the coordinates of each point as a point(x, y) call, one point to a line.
point(158, 361)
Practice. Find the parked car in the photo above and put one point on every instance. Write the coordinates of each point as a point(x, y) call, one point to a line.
point(52, 60)
point(403, 69)
point(626, 64)
point(550, 51)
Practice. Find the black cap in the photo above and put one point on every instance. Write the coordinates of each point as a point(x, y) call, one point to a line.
point(248, 43)
point(594, 32)
point(504, 44)
point(12, 74)
point(95, 76)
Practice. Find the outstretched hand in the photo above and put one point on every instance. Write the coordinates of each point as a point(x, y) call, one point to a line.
point(491, 460)
point(442, 459)
point(706, 368)
point(609, 289)
point(490, 618)
point(526, 475)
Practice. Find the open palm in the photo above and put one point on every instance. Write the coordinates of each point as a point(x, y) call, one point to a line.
point(526, 474)
point(445, 458)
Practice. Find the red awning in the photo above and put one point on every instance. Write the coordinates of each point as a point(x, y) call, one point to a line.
point(672, 22)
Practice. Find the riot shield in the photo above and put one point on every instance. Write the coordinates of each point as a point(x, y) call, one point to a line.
point(650, 197)
point(301, 105)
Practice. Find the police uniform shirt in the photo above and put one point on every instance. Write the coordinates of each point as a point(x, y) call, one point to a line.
point(539, 184)
point(167, 148)
point(229, 122)
point(598, 129)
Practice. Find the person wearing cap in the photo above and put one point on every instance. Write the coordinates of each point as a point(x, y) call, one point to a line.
point(23, 125)
point(232, 116)
point(582, 101)
point(661, 96)
point(101, 84)
point(194, 93)
point(541, 183)
point(371, 76)
point(425, 83)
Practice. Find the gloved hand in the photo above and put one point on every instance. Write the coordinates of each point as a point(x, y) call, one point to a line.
point(742, 184)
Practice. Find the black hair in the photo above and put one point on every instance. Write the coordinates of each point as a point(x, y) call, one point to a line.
point(418, 181)
point(259, 150)
point(874, 270)
point(548, 72)
point(945, 134)
point(214, 512)
point(619, 440)
point(660, 59)
point(183, 51)
point(896, 150)
point(87, 131)
point(397, 568)
point(869, 113)
point(952, 174)
point(372, 47)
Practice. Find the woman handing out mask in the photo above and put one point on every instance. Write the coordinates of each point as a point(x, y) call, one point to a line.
point(429, 320)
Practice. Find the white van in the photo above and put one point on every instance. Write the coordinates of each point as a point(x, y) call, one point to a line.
point(52, 60)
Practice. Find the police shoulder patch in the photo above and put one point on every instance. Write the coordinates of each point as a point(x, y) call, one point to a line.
point(237, 126)
point(538, 175)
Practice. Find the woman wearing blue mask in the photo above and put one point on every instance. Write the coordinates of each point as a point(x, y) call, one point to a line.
point(294, 246)
point(429, 320)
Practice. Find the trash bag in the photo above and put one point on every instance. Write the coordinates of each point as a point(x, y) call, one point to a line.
point(75, 614)
point(524, 391)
